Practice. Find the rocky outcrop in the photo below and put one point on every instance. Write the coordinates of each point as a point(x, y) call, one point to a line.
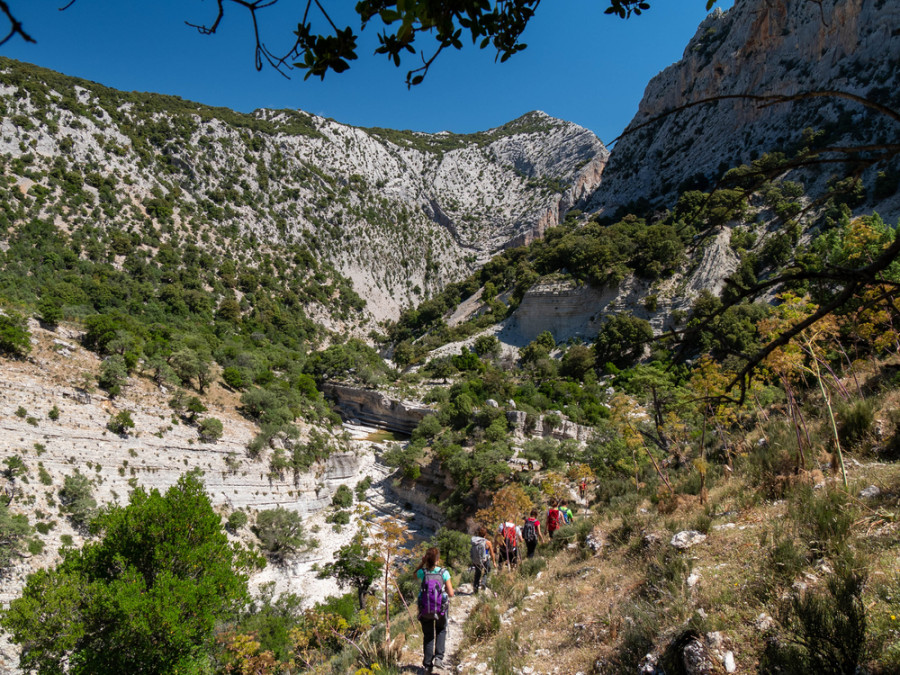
point(542, 427)
point(563, 308)
point(758, 47)
point(375, 409)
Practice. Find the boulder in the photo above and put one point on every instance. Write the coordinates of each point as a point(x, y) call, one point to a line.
point(687, 538)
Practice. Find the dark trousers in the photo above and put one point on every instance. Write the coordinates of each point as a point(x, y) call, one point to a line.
point(434, 637)
point(481, 574)
point(531, 545)
point(510, 556)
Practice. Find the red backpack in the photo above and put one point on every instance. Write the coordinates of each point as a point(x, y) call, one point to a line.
point(553, 517)
point(509, 535)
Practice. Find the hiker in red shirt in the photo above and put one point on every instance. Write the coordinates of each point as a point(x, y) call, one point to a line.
point(555, 519)
point(510, 536)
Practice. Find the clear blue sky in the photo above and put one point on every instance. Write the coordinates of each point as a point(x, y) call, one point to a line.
point(581, 65)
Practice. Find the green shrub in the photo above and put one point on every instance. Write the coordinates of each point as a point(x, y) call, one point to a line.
point(531, 566)
point(856, 421)
point(483, 621)
point(44, 476)
point(280, 532)
point(53, 413)
point(15, 338)
point(454, 547)
point(77, 498)
point(339, 517)
point(361, 488)
point(343, 497)
point(236, 520)
point(210, 429)
point(66, 539)
point(120, 423)
point(824, 518)
point(824, 630)
point(21, 412)
point(35, 546)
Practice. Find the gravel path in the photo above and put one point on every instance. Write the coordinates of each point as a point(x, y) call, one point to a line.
point(460, 607)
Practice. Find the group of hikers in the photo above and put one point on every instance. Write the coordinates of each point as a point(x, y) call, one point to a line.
point(485, 554)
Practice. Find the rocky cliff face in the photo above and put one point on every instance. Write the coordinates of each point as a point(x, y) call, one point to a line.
point(759, 47)
point(399, 213)
point(373, 408)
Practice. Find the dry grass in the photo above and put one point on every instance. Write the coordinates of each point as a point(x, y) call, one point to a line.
point(595, 614)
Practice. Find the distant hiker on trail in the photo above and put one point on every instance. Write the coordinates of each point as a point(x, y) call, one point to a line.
point(511, 535)
point(434, 601)
point(582, 487)
point(482, 556)
point(531, 532)
point(555, 519)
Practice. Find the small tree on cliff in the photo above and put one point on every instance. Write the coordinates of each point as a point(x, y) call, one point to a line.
point(354, 566)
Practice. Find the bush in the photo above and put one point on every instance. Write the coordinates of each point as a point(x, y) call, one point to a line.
point(531, 566)
point(824, 630)
point(120, 423)
point(280, 532)
point(361, 488)
point(113, 374)
point(77, 498)
point(483, 621)
point(454, 547)
point(856, 421)
point(339, 517)
point(824, 518)
point(343, 497)
point(15, 339)
point(53, 414)
point(14, 530)
point(236, 520)
point(210, 430)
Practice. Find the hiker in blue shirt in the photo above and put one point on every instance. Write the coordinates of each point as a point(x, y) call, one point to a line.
point(434, 601)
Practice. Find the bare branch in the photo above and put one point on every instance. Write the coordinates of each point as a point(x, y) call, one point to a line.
point(765, 101)
point(15, 26)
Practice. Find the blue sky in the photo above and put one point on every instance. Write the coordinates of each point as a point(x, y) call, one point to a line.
point(581, 65)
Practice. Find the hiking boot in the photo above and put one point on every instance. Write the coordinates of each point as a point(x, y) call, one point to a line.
point(438, 663)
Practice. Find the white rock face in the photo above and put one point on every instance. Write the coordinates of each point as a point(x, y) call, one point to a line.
point(399, 213)
point(759, 47)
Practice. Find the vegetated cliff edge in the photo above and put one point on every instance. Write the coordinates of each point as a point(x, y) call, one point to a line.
point(760, 47)
point(400, 213)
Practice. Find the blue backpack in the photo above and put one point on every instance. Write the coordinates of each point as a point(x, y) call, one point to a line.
point(432, 600)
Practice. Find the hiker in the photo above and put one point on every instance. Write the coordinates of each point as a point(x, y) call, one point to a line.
point(434, 601)
point(483, 558)
point(555, 518)
point(511, 535)
point(531, 533)
point(568, 516)
point(582, 487)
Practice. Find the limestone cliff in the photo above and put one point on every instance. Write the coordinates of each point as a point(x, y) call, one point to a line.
point(400, 213)
point(760, 47)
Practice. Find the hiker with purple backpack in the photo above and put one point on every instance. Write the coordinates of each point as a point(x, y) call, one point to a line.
point(434, 603)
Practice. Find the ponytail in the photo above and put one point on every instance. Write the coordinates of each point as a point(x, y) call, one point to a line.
point(429, 560)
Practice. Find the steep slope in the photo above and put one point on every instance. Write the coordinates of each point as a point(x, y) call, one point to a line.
point(760, 47)
point(399, 213)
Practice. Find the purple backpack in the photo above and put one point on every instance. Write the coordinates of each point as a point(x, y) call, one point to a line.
point(432, 602)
